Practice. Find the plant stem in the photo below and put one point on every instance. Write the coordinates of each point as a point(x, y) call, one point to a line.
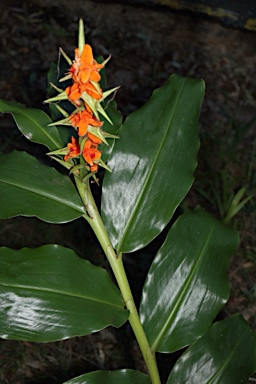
point(116, 263)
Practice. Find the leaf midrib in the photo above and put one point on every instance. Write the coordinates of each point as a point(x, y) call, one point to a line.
point(58, 292)
point(47, 195)
point(149, 176)
point(44, 131)
point(181, 294)
point(222, 367)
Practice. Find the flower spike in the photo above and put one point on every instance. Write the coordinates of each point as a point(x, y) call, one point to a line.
point(82, 156)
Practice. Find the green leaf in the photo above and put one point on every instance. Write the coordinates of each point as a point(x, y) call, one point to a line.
point(29, 188)
point(33, 123)
point(124, 376)
point(152, 164)
point(187, 284)
point(50, 294)
point(226, 354)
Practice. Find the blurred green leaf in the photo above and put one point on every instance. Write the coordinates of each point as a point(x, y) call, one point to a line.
point(33, 123)
point(56, 72)
point(152, 164)
point(187, 284)
point(116, 118)
point(124, 376)
point(49, 294)
point(29, 188)
point(236, 204)
point(226, 354)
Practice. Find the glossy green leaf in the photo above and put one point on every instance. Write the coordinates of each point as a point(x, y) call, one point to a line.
point(225, 355)
point(187, 284)
point(124, 376)
point(29, 188)
point(33, 123)
point(49, 294)
point(152, 164)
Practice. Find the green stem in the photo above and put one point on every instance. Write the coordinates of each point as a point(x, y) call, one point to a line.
point(116, 263)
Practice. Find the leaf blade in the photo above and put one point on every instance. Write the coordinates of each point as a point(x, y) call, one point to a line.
point(50, 294)
point(187, 284)
point(33, 123)
point(152, 164)
point(225, 354)
point(37, 190)
point(124, 376)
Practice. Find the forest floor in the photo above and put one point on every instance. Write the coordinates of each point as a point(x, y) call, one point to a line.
point(147, 45)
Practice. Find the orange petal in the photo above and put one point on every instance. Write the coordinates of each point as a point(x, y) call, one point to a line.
point(94, 138)
point(90, 152)
point(74, 149)
point(87, 157)
point(73, 92)
point(94, 168)
point(77, 54)
point(87, 56)
point(74, 119)
point(95, 76)
point(87, 107)
point(82, 127)
point(90, 145)
point(92, 92)
point(84, 75)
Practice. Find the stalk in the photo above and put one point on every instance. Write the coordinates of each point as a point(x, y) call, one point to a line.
point(116, 263)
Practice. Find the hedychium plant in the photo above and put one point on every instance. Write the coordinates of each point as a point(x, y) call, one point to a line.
point(49, 293)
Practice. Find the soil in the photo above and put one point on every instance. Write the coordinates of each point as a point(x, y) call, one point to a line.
point(146, 46)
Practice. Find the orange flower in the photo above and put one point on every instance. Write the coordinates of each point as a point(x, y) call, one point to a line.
point(74, 94)
point(91, 153)
point(82, 119)
point(74, 149)
point(76, 90)
point(94, 168)
point(85, 68)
